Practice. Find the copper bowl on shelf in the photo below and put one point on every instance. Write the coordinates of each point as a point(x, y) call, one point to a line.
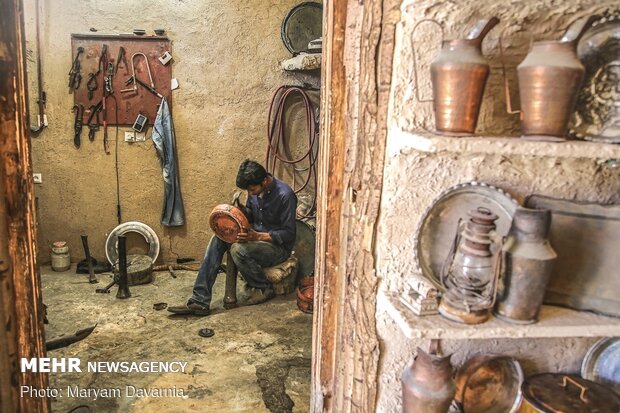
point(227, 222)
point(489, 383)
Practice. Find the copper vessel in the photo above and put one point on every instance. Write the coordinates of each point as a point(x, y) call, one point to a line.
point(549, 80)
point(427, 383)
point(489, 383)
point(458, 75)
point(562, 393)
point(227, 221)
point(528, 260)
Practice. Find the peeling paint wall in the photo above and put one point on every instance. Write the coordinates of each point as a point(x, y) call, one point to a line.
point(414, 178)
point(226, 59)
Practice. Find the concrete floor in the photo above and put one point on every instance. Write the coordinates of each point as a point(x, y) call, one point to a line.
point(257, 361)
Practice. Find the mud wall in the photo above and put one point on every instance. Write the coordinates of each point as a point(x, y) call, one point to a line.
point(415, 177)
point(226, 59)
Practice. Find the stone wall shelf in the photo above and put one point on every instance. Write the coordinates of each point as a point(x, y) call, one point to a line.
point(400, 141)
point(303, 62)
point(554, 322)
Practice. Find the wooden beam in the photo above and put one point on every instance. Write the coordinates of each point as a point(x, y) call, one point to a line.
point(357, 68)
point(22, 314)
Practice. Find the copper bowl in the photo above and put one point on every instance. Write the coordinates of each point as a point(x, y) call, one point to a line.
point(305, 299)
point(227, 221)
point(489, 383)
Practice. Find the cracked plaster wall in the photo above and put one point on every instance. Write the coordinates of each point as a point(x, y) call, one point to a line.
point(226, 58)
point(413, 179)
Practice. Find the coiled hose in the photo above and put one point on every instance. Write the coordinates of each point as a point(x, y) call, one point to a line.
point(279, 142)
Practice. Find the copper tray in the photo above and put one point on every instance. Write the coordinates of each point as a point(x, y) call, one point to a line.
point(586, 238)
point(227, 221)
point(597, 114)
point(437, 228)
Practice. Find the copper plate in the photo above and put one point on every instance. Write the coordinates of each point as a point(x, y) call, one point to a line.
point(227, 221)
point(597, 114)
point(602, 363)
point(438, 226)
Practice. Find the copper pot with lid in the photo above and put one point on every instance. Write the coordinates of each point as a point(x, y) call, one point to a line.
point(562, 393)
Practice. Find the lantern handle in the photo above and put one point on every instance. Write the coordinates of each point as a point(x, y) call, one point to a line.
point(447, 264)
point(497, 267)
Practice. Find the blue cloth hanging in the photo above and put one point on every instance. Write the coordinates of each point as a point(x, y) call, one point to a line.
point(173, 214)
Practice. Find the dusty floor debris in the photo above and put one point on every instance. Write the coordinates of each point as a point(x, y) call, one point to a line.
point(258, 360)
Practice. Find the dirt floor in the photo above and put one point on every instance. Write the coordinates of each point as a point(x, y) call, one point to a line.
point(257, 361)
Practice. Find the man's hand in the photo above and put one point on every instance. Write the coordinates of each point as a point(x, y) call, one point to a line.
point(249, 234)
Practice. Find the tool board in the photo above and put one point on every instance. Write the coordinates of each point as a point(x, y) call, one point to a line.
point(132, 103)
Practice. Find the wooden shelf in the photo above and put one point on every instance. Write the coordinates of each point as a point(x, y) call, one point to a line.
point(554, 322)
point(424, 141)
point(303, 62)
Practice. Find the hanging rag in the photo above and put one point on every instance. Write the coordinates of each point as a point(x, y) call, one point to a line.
point(163, 137)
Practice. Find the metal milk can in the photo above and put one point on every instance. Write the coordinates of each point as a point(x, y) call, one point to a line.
point(528, 259)
point(549, 80)
point(61, 260)
point(427, 383)
point(458, 75)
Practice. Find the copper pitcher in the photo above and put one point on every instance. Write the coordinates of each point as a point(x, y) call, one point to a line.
point(428, 386)
point(458, 75)
point(549, 80)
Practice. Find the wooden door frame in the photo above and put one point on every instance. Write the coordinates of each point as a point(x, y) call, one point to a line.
point(21, 330)
point(358, 46)
point(357, 67)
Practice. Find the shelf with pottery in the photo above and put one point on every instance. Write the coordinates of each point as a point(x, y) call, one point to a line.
point(553, 322)
point(425, 141)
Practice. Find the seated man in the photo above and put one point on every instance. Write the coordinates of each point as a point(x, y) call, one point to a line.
point(271, 210)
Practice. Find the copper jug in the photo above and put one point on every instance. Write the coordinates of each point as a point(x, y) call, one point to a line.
point(549, 80)
point(427, 384)
point(458, 75)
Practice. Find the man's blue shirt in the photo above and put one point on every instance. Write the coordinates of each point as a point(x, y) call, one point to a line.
point(275, 213)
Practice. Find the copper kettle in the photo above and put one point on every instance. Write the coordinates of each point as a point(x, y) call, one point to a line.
point(458, 75)
point(549, 80)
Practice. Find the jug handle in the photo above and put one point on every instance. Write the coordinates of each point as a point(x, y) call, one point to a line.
point(415, 63)
point(506, 83)
point(577, 29)
point(481, 29)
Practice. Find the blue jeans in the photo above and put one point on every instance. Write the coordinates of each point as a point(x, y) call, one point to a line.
point(173, 213)
point(250, 259)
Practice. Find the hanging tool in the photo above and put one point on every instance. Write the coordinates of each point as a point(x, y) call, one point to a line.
point(77, 126)
point(74, 74)
point(133, 79)
point(93, 120)
point(109, 89)
point(121, 56)
point(149, 88)
point(92, 85)
point(103, 59)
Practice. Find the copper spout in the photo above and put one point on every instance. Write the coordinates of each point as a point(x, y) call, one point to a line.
point(481, 29)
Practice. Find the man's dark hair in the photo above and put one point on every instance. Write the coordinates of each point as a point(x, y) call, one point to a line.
point(250, 173)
